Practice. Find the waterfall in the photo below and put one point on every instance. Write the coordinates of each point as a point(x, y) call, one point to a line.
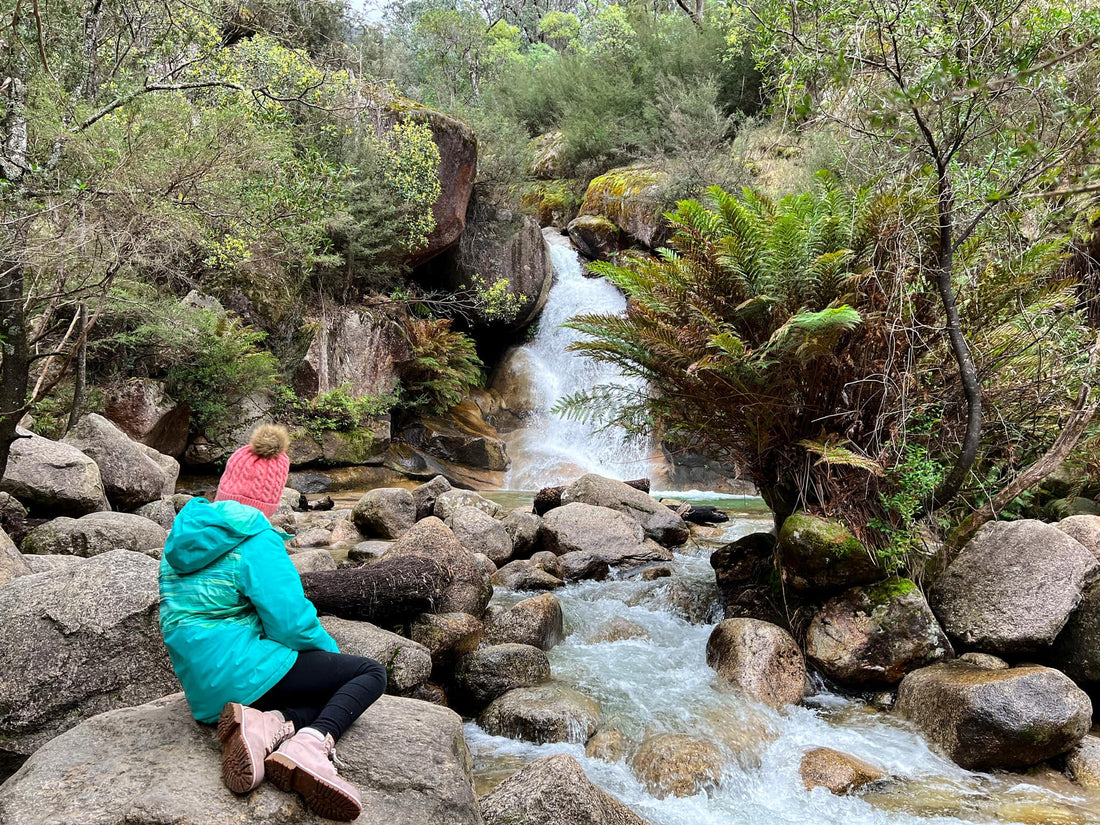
point(550, 449)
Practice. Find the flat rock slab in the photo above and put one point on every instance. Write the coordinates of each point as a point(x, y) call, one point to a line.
point(154, 765)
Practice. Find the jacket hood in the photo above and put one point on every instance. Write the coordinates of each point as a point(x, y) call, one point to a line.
point(204, 532)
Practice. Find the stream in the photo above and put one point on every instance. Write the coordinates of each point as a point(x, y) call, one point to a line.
point(660, 683)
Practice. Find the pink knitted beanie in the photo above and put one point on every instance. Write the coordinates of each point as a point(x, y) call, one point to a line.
point(256, 474)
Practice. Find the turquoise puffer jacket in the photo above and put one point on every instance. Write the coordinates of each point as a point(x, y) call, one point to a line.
point(232, 609)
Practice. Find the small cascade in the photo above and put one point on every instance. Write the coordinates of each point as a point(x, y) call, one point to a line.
point(550, 449)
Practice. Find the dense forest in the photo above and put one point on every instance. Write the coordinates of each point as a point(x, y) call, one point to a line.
point(874, 290)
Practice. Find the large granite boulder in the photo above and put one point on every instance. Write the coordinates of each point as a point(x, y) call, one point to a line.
point(553, 790)
point(77, 641)
point(141, 409)
point(658, 521)
point(759, 658)
point(595, 237)
point(481, 533)
point(12, 563)
point(869, 637)
point(523, 528)
point(1013, 587)
point(536, 621)
point(488, 672)
point(611, 536)
point(523, 574)
point(633, 198)
point(447, 502)
point(407, 663)
point(385, 512)
point(13, 517)
point(672, 764)
point(822, 554)
point(424, 495)
point(1086, 529)
point(545, 713)
point(153, 765)
point(1076, 651)
point(995, 718)
point(131, 477)
point(744, 571)
point(96, 533)
point(360, 349)
point(53, 478)
point(1083, 762)
point(498, 245)
point(460, 436)
point(470, 589)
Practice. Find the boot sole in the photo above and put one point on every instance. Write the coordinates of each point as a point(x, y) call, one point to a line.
point(240, 772)
point(320, 797)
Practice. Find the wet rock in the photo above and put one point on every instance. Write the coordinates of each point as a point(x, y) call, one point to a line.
point(407, 663)
point(606, 744)
point(385, 513)
point(446, 503)
point(661, 571)
point(162, 511)
point(1083, 762)
point(12, 564)
point(541, 714)
point(607, 534)
point(310, 483)
point(554, 790)
point(839, 772)
point(513, 383)
point(693, 601)
point(869, 637)
point(676, 765)
point(311, 537)
point(1013, 587)
point(151, 764)
point(745, 574)
point(424, 495)
point(583, 564)
point(461, 436)
point(595, 237)
point(1085, 529)
point(995, 718)
point(522, 574)
point(130, 476)
point(759, 658)
point(545, 560)
point(470, 588)
point(523, 528)
point(489, 672)
point(313, 561)
point(481, 533)
point(536, 621)
point(1077, 648)
point(96, 533)
point(660, 523)
point(618, 629)
point(53, 477)
point(822, 554)
point(77, 641)
point(447, 636)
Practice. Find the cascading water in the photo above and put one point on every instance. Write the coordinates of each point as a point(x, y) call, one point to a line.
point(658, 682)
point(551, 449)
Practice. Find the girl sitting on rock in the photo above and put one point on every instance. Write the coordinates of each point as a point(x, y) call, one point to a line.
point(246, 643)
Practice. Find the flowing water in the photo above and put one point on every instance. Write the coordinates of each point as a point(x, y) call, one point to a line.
point(660, 683)
point(551, 449)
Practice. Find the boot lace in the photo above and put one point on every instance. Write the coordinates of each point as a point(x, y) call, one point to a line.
point(330, 751)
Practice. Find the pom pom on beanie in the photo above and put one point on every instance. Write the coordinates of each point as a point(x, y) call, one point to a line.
point(256, 474)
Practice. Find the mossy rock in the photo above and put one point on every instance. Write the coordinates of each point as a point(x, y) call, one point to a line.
point(822, 554)
point(595, 237)
point(553, 202)
point(634, 198)
point(547, 155)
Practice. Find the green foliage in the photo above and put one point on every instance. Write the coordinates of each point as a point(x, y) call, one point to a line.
point(337, 410)
point(912, 480)
point(443, 369)
point(494, 302)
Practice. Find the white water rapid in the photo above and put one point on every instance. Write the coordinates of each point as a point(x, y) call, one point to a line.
point(660, 683)
point(551, 449)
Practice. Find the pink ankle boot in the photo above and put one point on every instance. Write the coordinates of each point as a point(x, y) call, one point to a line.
point(248, 736)
point(303, 764)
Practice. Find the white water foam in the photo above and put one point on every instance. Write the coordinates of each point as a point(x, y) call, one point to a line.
point(550, 449)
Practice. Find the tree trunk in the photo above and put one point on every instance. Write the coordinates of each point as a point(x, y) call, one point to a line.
point(15, 356)
point(385, 593)
point(81, 377)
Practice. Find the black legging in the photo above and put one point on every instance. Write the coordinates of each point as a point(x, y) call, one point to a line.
point(326, 691)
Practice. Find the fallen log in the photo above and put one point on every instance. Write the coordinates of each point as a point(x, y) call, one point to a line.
point(385, 593)
point(699, 514)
